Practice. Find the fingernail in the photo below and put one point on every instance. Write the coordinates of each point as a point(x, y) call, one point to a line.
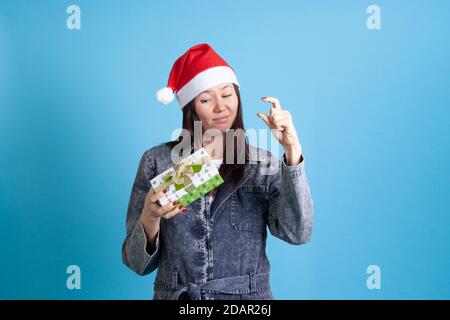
point(165, 190)
point(184, 210)
point(180, 206)
point(175, 202)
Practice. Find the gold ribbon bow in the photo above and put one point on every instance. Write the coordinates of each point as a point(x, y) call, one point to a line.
point(181, 174)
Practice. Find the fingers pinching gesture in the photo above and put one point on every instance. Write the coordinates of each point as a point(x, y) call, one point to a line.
point(282, 127)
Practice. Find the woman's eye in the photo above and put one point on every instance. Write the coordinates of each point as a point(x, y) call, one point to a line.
point(204, 101)
point(227, 96)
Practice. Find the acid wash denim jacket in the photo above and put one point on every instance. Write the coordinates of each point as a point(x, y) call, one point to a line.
point(217, 250)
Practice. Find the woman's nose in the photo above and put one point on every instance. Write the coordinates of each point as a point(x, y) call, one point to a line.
point(220, 105)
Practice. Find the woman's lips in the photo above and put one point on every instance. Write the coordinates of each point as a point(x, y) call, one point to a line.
point(221, 120)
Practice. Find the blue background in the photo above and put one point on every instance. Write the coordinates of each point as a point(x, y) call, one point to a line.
point(77, 111)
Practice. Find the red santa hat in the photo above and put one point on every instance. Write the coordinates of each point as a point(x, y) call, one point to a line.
point(198, 69)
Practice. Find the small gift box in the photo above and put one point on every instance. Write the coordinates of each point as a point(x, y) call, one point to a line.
point(188, 180)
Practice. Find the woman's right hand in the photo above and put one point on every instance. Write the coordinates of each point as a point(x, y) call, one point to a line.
point(154, 211)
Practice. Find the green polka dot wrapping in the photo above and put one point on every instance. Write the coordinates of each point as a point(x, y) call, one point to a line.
point(201, 190)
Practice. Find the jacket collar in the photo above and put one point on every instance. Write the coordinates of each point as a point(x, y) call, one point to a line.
point(254, 154)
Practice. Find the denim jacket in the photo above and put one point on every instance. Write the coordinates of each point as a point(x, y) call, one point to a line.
point(217, 250)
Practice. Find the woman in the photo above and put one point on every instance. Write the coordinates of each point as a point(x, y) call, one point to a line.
point(215, 248)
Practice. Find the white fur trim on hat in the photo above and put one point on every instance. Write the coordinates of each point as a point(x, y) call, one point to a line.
point(203, 81)
point(165, 95)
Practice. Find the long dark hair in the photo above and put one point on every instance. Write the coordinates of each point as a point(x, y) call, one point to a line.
point(231, 172)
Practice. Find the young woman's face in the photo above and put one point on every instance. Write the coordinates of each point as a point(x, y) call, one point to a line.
point(217, 107)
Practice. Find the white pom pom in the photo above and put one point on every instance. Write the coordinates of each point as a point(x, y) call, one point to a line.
point(165, 95)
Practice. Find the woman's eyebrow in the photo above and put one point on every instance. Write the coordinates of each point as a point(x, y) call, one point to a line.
point(225, 86)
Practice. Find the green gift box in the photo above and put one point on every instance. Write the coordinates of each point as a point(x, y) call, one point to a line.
point(188, 180)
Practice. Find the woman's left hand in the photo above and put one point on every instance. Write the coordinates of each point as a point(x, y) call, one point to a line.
point(280, 121)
